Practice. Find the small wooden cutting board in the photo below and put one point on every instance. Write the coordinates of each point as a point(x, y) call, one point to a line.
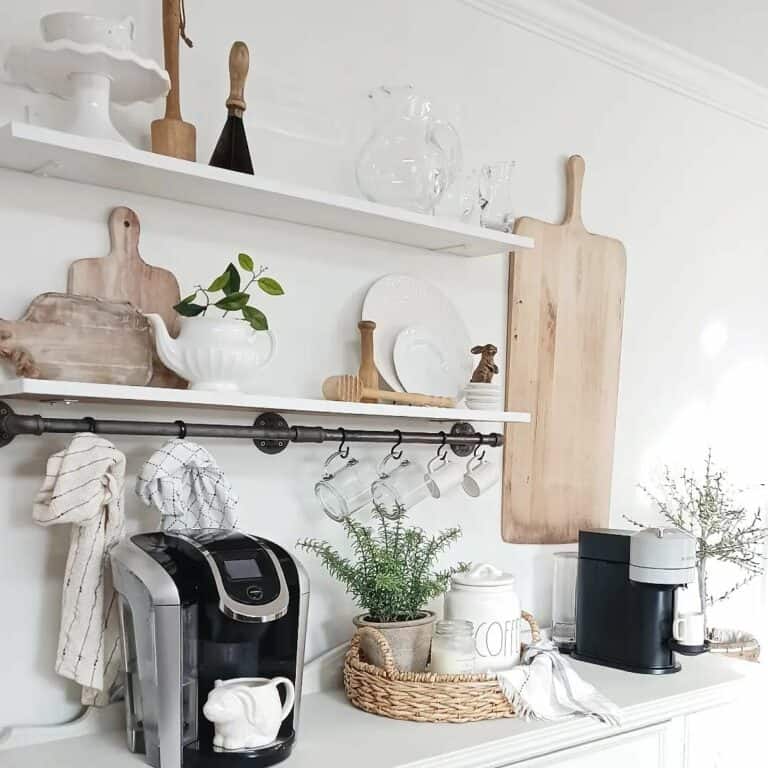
point(123, 275)
point(566, 307)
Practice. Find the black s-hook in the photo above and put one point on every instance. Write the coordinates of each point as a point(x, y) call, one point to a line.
point(393, 452)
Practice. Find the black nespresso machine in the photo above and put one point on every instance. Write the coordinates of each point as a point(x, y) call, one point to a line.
point(198, 606)
point(626, 597)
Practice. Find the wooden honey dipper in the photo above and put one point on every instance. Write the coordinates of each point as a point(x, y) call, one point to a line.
point(350, 389)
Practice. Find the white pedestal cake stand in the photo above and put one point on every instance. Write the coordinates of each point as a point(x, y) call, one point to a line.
point(90, 76)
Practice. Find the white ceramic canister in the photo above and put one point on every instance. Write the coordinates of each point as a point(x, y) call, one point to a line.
point(486, 596)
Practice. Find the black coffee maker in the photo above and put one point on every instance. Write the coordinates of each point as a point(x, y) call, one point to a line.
point(198, 606)
point(626, 597)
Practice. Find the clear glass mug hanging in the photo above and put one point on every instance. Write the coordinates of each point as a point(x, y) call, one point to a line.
point(346, 489)
point(411, 157)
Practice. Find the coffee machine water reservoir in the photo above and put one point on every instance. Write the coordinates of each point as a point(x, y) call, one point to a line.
point(196, 607)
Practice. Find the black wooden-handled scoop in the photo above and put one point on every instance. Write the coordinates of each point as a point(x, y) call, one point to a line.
point(232, 147)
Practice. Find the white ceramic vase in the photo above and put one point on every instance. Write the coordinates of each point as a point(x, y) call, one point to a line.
point(221, 354)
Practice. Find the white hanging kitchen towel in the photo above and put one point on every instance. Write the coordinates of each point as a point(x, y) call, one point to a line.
point(546, 687)
point(83, 486)
point(188, 488)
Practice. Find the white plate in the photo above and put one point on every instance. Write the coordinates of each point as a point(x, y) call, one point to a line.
point(397, 302)
point(424, 365)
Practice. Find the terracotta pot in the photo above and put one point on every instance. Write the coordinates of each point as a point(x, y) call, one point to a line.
point(410, 641)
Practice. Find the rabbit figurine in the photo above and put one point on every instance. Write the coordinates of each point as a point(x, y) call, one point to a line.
point(246, 711)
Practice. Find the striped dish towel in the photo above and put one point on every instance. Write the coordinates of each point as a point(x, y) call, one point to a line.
point(83, 486)
point(188, 487)
point(546, 687)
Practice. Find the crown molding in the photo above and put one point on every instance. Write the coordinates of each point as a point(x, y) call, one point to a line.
point(581, 28)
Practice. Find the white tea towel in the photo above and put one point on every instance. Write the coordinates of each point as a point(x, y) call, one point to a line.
point(546, 687)
point(84, 486)
point(188, 488)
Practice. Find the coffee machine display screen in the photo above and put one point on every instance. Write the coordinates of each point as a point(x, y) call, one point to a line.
point(242, 569)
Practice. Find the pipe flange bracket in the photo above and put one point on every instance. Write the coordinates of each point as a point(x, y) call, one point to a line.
point(462, 429)
point(6, 414)
point(270, 420)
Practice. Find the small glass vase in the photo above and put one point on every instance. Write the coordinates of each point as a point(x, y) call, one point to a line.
point(496, 210)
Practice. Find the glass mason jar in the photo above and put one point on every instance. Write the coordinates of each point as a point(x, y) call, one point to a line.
point(453, 648)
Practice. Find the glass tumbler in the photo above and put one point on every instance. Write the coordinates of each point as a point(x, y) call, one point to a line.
point(564, 600)
point(347, 489)
point(460, 200)
point(495, 192)
point(398, 490)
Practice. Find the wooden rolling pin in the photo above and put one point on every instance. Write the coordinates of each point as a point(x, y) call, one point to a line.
point(350, 389)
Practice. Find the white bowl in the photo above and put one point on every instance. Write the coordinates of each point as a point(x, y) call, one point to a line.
point(86, 29)
point(475, 406)
point(482, 388)
point(484, 384)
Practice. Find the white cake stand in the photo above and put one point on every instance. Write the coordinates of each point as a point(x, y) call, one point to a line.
point(90, 76)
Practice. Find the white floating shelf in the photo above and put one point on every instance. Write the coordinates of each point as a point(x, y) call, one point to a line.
point(72, 391)
point(110, 164)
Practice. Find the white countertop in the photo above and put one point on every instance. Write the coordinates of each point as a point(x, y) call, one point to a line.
point(332, 732)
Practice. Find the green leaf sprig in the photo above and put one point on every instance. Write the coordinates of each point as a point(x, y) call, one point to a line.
point(236, 296)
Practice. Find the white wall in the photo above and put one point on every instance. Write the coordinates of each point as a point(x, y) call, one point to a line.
point(681, 184)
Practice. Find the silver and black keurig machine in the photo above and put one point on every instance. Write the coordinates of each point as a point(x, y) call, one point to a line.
point(198, 606)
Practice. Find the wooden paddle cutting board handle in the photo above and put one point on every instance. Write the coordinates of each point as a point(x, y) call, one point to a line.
point(124, 231)
point(239, 61)
point(574, 181)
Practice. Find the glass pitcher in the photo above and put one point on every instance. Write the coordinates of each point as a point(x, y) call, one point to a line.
point(411, 157)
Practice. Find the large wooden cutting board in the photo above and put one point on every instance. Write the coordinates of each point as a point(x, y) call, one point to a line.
point(566, 306)
point(79, 338)
point(123, 275)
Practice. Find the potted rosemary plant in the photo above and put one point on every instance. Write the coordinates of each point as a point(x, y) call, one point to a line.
point(392, 578)
point(725, 531)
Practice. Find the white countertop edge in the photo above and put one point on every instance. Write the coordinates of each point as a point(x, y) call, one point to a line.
point(554, 737)
point(710, 684)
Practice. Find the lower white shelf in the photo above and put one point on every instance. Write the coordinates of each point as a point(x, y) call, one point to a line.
point(45, 391)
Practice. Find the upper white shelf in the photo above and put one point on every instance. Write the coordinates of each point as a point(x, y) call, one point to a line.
point(73, 391)
point(110, 164)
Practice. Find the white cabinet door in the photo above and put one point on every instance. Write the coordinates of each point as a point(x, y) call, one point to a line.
point(734, 735)
point(656, 747)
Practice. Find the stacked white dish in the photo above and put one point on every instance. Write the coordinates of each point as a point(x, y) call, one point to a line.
point(483, 397)
point(89, 61)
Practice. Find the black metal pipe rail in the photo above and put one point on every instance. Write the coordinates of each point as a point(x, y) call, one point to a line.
point(270, 432)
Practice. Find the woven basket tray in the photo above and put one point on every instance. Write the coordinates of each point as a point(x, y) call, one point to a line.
point(732, 642)
point(422, 696)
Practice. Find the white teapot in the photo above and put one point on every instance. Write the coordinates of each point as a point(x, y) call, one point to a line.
point(246, 711)
point(213, 353)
